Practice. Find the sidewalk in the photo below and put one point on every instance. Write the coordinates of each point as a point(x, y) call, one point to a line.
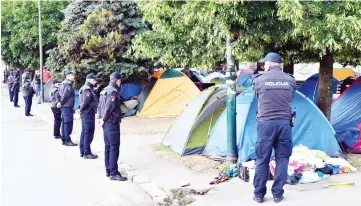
point(157, 171)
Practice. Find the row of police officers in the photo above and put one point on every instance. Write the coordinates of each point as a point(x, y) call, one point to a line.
point(109, 115)
point(14, 88)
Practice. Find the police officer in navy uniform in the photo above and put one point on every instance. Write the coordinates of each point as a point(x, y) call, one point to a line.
point(11, 80)
point(67, 98)
point(88, 103)
point(274, 90)
point(55, 99)
point(28, 93)
point(15, 89)
point(110, 114)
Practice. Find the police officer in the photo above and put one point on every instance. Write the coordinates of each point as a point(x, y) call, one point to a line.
point(55, 99)
point(87, 106)
point(274, 90)
point(67, 98)
point(28, 93)
point(11, 80)
point(110, 114)
point(15, 89)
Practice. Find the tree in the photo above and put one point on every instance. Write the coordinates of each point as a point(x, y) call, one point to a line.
point(20, 33)
point(95, 37)
point(330, 29)
point(194, 33)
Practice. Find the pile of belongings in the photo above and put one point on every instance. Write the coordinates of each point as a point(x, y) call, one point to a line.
point(308, 166)
point(225, 175)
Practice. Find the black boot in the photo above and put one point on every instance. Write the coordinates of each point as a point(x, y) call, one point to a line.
point(57, 137)
point(90, 156)
point(118, 177)
point(278, 199)
point(70, 144)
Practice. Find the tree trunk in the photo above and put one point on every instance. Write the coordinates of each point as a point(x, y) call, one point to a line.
point(289, 68)
point(325, 84)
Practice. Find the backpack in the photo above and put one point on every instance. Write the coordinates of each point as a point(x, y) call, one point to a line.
point(101, 104)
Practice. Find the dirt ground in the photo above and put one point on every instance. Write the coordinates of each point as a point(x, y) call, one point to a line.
point(160, 126)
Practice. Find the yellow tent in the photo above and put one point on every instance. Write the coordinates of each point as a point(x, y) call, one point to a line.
point(169, 96)
point(342, 73)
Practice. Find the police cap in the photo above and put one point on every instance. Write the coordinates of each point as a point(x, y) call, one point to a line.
point(272, 57)
point(91, 76)
point(68, 72)
point(115, 75)
point(55, 81)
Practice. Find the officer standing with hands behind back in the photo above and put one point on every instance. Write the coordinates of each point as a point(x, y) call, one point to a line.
point(110, 114)
point(28, 93)
point(15, 89)
point(67, 98)
point(55, 99)
point(274, 91)
point(88, 103)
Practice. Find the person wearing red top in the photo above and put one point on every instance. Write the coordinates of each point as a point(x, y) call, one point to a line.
point(46, 75)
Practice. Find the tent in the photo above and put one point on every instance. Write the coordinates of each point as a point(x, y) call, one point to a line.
point(170, 95)
point(307, 130)
point(215, 77)
point(146, 90)
point(130, 90)
point(47, 90)
point(190, 132)
point(245, 77)
point(346, 117)
point(342, 73)
point(310, 87)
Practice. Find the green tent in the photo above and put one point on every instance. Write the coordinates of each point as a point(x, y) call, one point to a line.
point(190, 132)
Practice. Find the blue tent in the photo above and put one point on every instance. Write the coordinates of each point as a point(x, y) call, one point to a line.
point(245, 78)
point(311, 128)
point(130, 90)
point(310, 87)
point(346, 117)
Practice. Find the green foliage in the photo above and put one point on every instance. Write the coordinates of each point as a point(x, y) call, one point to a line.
point(20, 33)
point(95, 36)
point(335, 25)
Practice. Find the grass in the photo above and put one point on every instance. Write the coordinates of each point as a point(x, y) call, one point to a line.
point(162, 148)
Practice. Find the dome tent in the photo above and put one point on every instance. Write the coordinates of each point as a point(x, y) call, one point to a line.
point(307, 127)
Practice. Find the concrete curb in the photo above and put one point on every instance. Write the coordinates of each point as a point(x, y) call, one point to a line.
point(156, 193)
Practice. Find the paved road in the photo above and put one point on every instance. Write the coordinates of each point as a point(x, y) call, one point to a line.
point(36, 170)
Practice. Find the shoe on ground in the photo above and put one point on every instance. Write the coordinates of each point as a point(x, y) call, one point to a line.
point(257, 199)
point(118, 177)
point(57, 137)
point(90, 156)
point(29, 115)
point(278, 199)
point(70, 144)
point(107, 174)
point(17, 106)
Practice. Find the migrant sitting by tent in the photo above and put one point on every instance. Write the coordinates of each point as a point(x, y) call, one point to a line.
point(310, 87)
point(190, 132)
point(170, 94)
point(309, 120)
point(346, 83)
point(346, 117)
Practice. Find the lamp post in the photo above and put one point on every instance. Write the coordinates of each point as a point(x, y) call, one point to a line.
point(41, 55)
point(232, 155)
